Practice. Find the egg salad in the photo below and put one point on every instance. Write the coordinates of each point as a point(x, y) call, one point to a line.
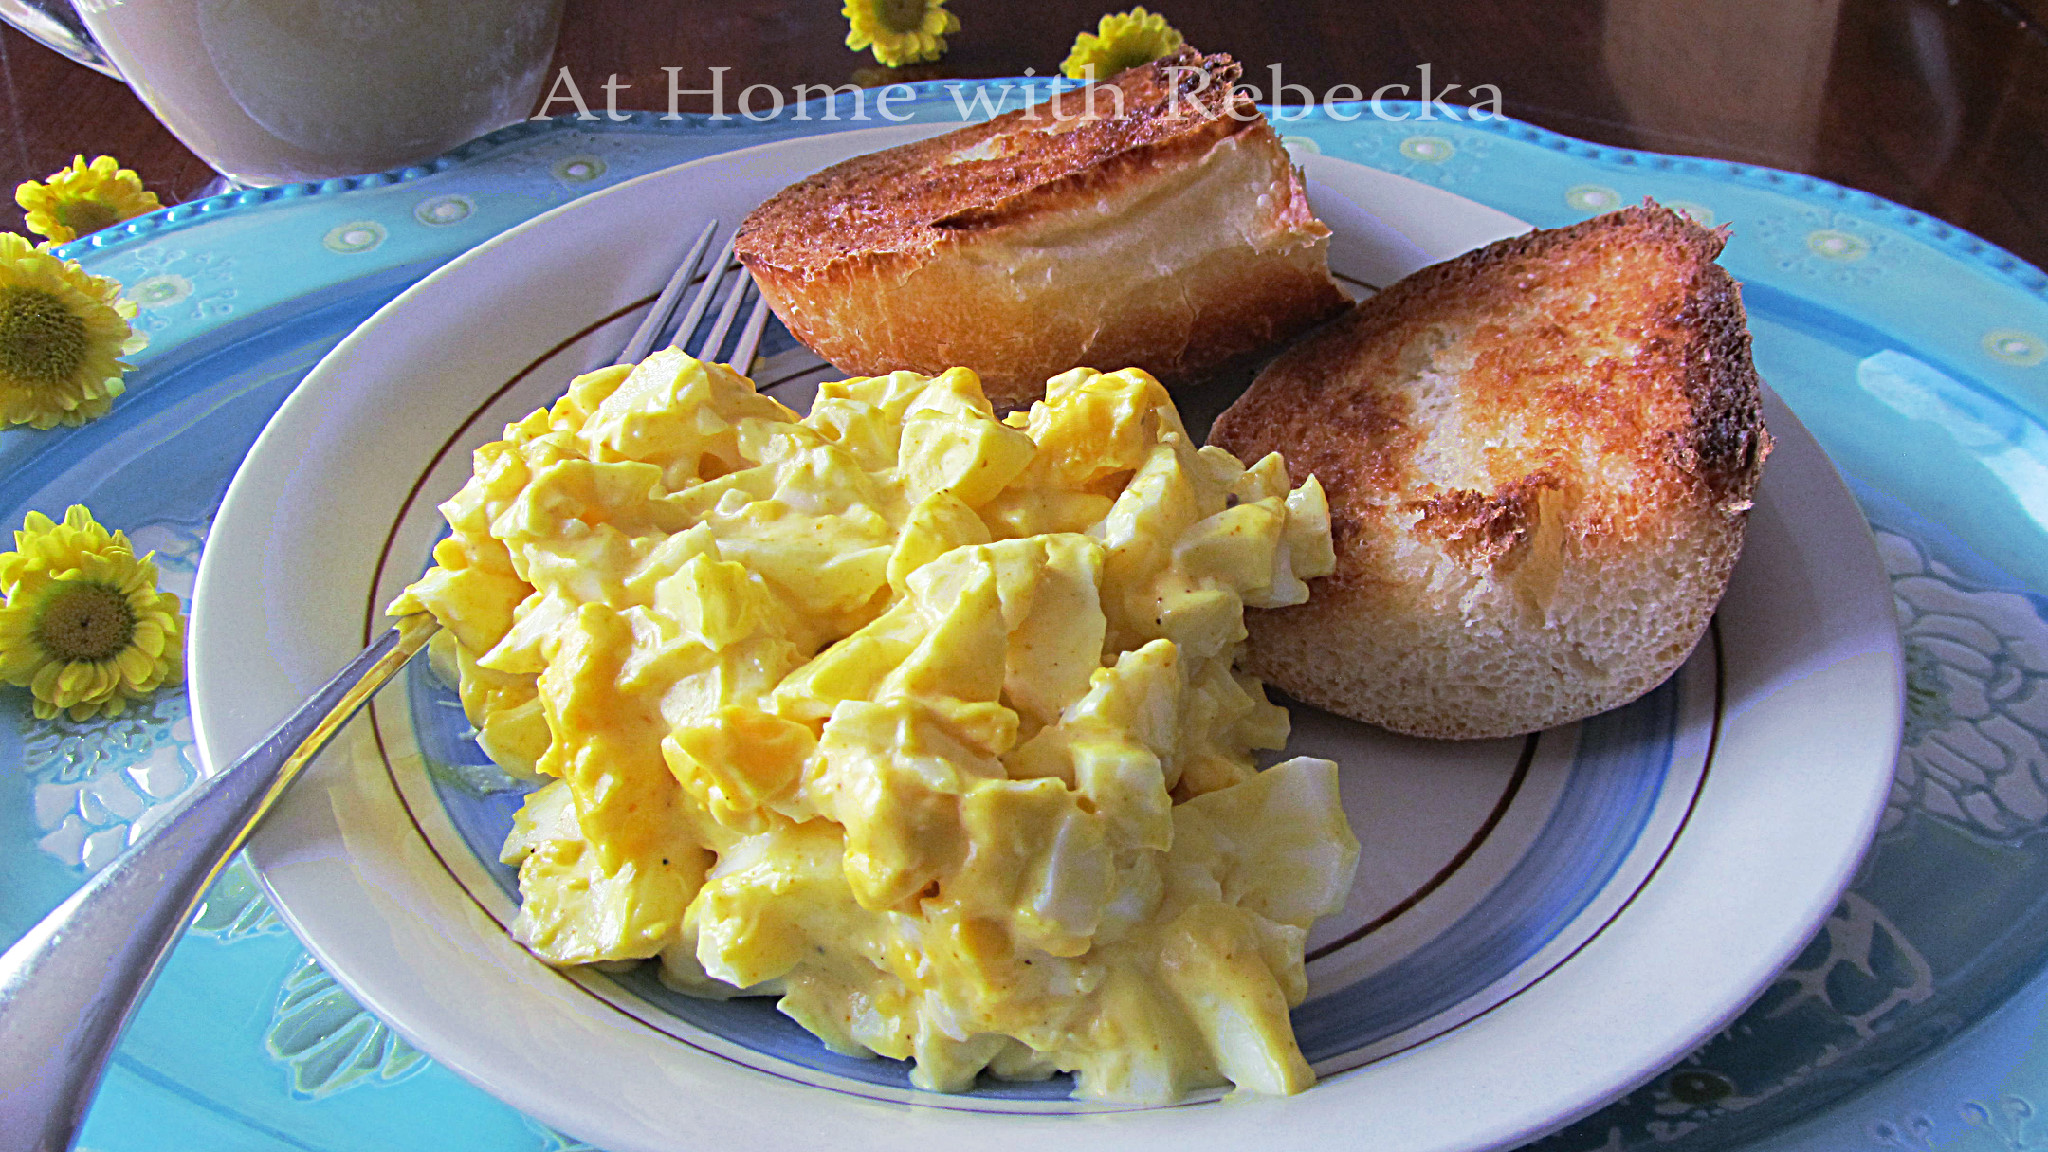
point(923, 720)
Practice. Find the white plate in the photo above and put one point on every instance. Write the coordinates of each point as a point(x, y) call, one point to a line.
point(1538, 924)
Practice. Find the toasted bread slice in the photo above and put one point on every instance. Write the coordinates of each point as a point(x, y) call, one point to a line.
point(1538, 457)
point(1154, 222)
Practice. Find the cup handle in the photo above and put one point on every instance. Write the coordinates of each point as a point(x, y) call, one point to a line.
point(55, 25)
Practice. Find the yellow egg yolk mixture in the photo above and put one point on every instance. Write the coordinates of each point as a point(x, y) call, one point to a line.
point(923, 720)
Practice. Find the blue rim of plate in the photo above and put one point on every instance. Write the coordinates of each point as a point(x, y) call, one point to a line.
point(1745, 1086)
point(1962, 243)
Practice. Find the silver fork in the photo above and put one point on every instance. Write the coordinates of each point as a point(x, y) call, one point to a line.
point(740, 286)
point(68, 987)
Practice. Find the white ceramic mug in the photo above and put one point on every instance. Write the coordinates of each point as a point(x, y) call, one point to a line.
point(273, 91)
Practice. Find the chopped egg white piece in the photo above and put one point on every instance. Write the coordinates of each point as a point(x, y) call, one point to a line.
point(921, 719)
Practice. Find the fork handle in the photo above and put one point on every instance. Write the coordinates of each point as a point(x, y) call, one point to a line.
point(68, 987)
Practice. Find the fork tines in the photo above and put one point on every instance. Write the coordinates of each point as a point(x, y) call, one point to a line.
point(735, 289)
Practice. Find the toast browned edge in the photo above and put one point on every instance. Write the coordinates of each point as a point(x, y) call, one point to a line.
point(1306, 406)
point(904, 202)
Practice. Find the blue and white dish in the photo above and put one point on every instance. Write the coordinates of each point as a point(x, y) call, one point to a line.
point(1614, 890)
point(1915, 1017)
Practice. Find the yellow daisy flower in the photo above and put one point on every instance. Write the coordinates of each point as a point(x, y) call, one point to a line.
point(1124, 40)
point(84, 628)
point(900, 31)
point(62, 334)
point(71, 202)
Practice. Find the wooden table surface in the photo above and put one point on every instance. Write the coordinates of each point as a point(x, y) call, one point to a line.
point(1941, 105)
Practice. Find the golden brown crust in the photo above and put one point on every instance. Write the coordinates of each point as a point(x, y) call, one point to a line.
point(1537, 457)
point(910, 200)
point(1154, 221)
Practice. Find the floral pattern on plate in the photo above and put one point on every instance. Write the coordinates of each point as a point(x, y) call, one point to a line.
point(328, 1041)
point(1977, 700)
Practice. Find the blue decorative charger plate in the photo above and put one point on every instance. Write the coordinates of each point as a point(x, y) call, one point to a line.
point(1913, 351)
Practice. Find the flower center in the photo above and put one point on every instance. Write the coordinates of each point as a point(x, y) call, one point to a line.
point(1123, 56)
point(903, 15)
point(83, 216)
point(84, 620)
point(42, 342)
